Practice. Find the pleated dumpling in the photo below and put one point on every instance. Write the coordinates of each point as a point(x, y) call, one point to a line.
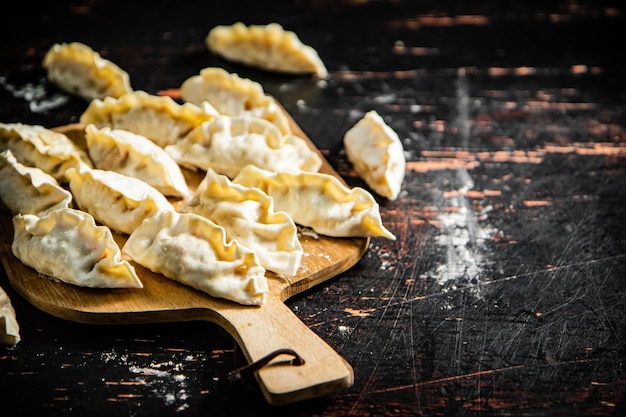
point(232, 95)
point(268, 47)
point(29, 190)
point(37, 146)
point(81, 71)
point(9, 327)
point(319, 201)
point(247, 216)
point(159, 118)
point(193, 250)
point(67, 245)
point(377, 154)
point(136, 156)
point(115, 200)
point(227, 144)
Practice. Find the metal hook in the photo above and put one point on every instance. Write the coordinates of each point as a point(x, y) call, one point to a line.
point(245, 372)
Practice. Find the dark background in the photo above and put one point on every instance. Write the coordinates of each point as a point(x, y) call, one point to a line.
point(504, 292)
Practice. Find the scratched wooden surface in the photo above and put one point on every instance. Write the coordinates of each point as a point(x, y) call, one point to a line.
point(504, 292)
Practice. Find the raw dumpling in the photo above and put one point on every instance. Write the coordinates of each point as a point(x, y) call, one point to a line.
point(193, 250)
point(319, 201)
point(9, 328)
point(377, 154)
point(268, 47)
point(79, 70)
point(227, 144)
point(136, 156)
point(115, 200)
point(159, 118)
point(29, 190)
point(232, 95)
point(247, 215)
point(67, 245)
point(37, 146)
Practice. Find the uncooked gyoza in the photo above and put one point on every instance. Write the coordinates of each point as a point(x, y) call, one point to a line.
point(247, 216)
point(227, 144)
point(232, 95)
point(67, 245)
point(268, 47)
point(159, 118)
point(29, 190)
point(9, 328)
point(80, 70)
point(193, 250)
point(376, 154)
point(115, 200)
point(37, 146)
point(319, 201)
point(136, 156)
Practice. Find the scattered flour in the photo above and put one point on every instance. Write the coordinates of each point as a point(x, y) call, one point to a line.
point(462, 236)
point(36, 96)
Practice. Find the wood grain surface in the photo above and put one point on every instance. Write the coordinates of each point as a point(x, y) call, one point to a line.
point(503, 293)
point(259, 331)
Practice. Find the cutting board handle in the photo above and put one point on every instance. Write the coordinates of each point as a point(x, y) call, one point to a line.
point(273, 326)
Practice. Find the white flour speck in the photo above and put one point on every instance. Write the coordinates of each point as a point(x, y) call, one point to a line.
point(36, 96)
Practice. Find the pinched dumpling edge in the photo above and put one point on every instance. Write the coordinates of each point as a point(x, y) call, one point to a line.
point(101, 259)
point(79, 70)
point(231, 95)
point(375, 151)
point(268, 47)
point(248, 216)
point(220, 268)
point(129, 112)
point(40, 192)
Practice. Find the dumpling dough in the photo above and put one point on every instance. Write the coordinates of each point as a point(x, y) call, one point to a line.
point(193, 250)
point(67, 245)
point(159, 118)
point(115, 200)
point(29, 190)
point(232, 95)
point(268, 47)
point(9, 328)
point(319, 201)
point(37, 146)
point(81, 71)
point(227, 144)
point(377, 154)
point(136, 156)
point(247, 215)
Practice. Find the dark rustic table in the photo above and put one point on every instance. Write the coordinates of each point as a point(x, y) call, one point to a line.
point(504, 291)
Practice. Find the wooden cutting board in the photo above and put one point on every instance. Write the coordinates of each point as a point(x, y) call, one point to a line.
point(259, 331)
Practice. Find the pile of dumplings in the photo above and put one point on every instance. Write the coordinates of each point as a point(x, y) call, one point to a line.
point(260, 185)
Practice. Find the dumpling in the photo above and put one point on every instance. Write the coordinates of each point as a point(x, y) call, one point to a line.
point(29, 190)
point(9, 328)
point(232, 95)
point(115, 200)
point(227, 144)
point(268, 47)
point(377, 154)
point(159, 118)
point(37, 146)
point(193, 250)
point(319, 201)
point(81, 71)
point(247, 215)
point(67, 245)
point(136, 156)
